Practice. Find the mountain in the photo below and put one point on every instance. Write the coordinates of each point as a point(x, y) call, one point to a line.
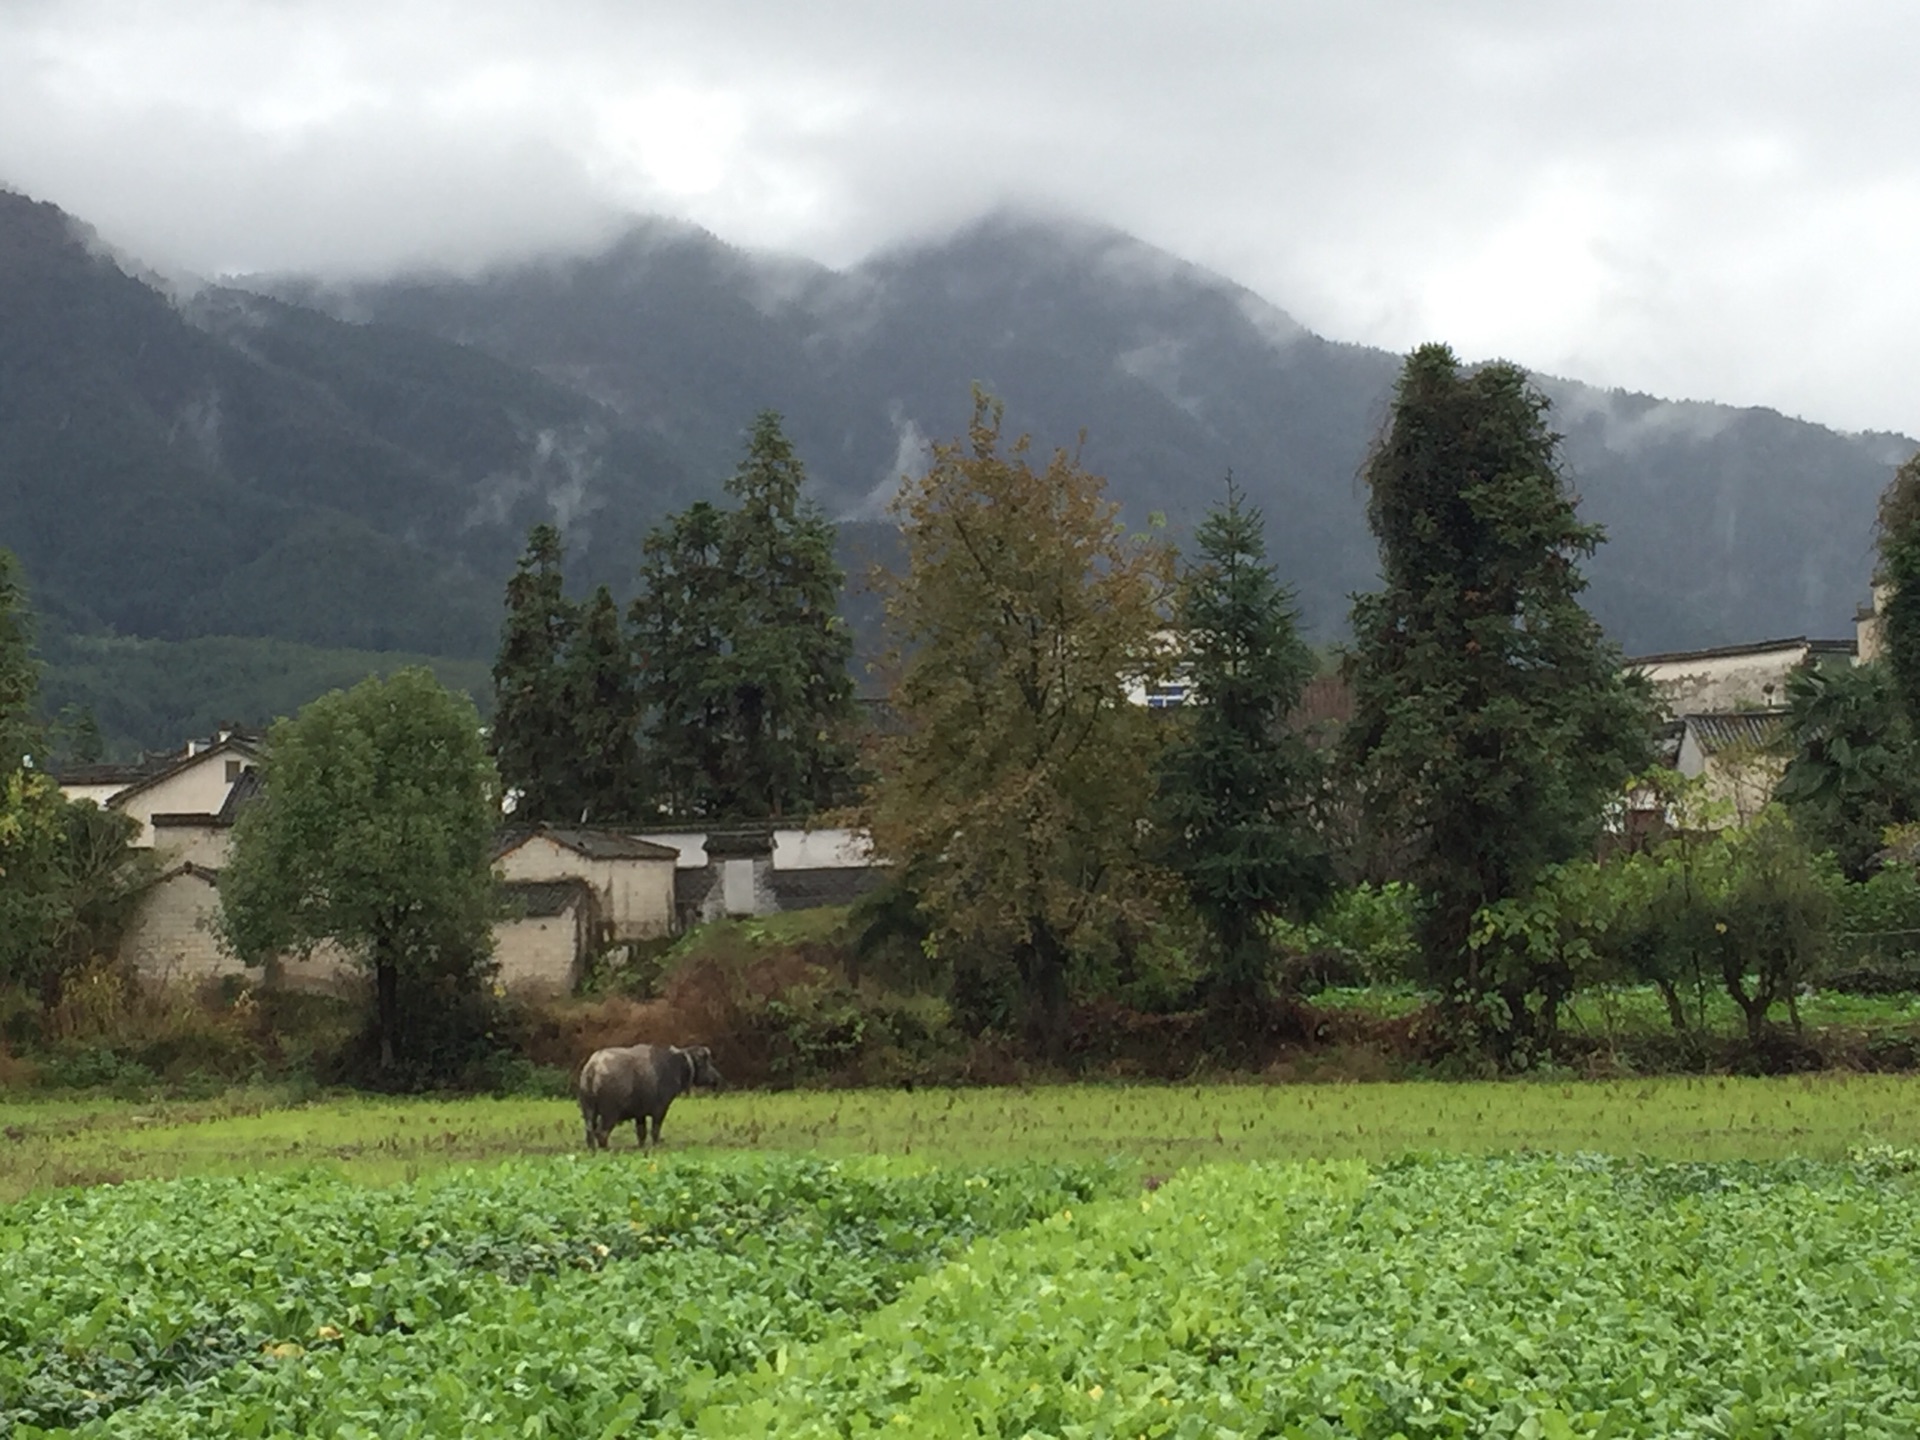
point(321, 475)
point(1726, 524)
point(216, 462)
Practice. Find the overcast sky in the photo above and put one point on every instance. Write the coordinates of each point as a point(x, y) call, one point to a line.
point(1703, 200)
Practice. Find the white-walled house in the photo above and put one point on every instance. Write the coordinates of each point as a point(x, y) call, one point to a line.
point(198, 781)
point(632, 878)
point(762, 868)
point(1736, 679)
point(544, 943)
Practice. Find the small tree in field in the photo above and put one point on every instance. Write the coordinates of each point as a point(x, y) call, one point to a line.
point(1491, 721)
point(374, 832)
point(1235, 782)
point(1015, 794)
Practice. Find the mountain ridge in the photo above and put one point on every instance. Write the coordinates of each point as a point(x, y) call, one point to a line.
point(1724, 520)
point(354, 466)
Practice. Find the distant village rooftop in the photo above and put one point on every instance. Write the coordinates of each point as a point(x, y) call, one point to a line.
point(1753, 647)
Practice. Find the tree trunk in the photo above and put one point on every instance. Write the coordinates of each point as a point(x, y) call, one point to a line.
point(1042, 962)
point(386, 979)
point(1676, 1012)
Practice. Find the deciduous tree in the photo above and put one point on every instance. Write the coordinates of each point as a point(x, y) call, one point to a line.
point(1015, 794)
point(1235, 782)
point(374, 832)
point(1492, 724)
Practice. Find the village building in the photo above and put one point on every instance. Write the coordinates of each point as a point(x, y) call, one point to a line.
point(1724, 718)
point(1736, 679)
point(632, 879)
point(196, 781)
point(551, 930)
point(761, 869)
point(567, 892)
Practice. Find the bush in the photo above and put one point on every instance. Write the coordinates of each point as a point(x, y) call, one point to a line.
point(1363, 937)
point(1747, 911)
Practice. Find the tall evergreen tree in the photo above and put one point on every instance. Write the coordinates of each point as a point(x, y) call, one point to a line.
point(743, 656)
point(20, 734)
point(1235, 782)
point(1492, 722)
point(792, 698)
point(680, 628)
point(1899, 543)
point(602, 698)
point(533, 727)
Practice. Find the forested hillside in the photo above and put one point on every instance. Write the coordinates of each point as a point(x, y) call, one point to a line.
point(321, 469)
point(1727, 524)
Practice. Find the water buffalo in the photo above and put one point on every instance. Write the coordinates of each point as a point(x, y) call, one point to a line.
point(637, 1083)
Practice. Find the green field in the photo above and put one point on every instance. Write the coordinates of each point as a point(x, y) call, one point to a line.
point(1156, 1128)
point(1718, 1257)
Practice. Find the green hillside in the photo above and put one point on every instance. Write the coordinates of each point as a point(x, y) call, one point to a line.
point(152, 694)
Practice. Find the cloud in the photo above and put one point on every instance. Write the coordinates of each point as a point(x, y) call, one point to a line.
point(1701, 200)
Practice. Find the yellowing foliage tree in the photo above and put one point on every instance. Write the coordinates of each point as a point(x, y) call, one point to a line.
point(1013, 796)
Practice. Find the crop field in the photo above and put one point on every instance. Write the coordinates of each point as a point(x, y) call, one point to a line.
point(1376, 1261)
point(45, 1144)
point(1536, 1296)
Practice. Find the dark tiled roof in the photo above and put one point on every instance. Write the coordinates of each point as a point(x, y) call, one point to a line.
point(739, 842)
point(544, 899)
point(593, 844)
point(245, 790)
point(235, 744)
point(1755, 647)
point(807, 889)
point(1749, 729)
point(205, 873)
point(110, 774)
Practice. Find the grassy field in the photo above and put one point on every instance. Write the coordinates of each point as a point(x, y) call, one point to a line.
point(1638, 1010)
point(60, 1142)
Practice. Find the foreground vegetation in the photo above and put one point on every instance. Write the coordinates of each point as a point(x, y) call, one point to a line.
point(770, 1295)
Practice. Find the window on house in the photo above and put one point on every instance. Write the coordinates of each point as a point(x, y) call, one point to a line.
point(234, 767)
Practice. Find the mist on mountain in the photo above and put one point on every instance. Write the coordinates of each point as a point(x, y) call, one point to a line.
point(354, 466)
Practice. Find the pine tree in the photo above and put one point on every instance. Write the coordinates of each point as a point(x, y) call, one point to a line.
point(791, 696)
point(679, 627)
point(602, 699)
point(1492, 723)
point(1236, 783)
point(1899, 544)
point(533, 727)
point(742, 655)
point(20, 733)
